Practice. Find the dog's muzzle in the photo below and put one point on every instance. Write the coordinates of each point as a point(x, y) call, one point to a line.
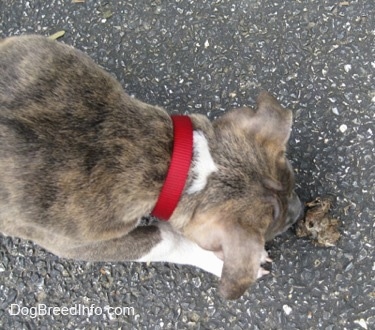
point(295, 210)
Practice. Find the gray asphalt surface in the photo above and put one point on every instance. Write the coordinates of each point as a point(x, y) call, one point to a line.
point(206, 57)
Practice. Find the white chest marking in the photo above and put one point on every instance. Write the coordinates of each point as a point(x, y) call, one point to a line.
point(177, 249)
point(203, 165)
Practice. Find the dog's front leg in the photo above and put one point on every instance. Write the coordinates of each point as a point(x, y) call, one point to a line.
point(155, 243)
point(175, 248)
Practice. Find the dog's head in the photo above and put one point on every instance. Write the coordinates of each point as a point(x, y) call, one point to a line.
point(251, 198)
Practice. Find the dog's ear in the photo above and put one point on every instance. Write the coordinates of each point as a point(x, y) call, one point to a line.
point(269, 123)
point(243, 254)
point(272, 121)
point(242, 250)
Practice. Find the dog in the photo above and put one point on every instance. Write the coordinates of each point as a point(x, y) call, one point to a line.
point(81, 162)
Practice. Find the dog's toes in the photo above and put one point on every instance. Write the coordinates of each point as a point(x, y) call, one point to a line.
point(265, 258)
point(262, 272)
point(268, 259)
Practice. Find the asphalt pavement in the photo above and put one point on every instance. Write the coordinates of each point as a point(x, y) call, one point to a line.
point(318, 58)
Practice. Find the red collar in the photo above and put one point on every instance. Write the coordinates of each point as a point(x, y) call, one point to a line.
point(178, 169)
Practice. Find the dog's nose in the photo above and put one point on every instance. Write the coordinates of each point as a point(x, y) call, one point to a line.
point(295, 209)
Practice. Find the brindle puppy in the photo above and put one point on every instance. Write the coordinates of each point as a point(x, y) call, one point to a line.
point(81, 163)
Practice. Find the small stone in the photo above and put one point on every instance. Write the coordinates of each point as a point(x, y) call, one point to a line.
point(335, 111)
point(362, 323)
point(197, 282)
point(347, 67)
point(343, 128)
point(107, 14)
point(206, 44)
point(287, 309)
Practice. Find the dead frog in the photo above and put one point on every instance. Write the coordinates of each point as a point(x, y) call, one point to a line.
point(318, 224)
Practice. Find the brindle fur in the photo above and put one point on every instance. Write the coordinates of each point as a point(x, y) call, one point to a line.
point(81, 162)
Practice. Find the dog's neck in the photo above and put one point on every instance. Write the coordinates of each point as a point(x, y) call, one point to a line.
point(202, 165)
point(190, 166)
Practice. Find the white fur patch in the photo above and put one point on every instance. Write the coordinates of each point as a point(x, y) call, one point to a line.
point(204, 165)
point(177, 249)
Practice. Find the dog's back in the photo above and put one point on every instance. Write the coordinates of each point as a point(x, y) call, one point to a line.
point(72, 142)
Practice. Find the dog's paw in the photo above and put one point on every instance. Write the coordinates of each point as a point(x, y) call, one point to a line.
point(264, 258)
